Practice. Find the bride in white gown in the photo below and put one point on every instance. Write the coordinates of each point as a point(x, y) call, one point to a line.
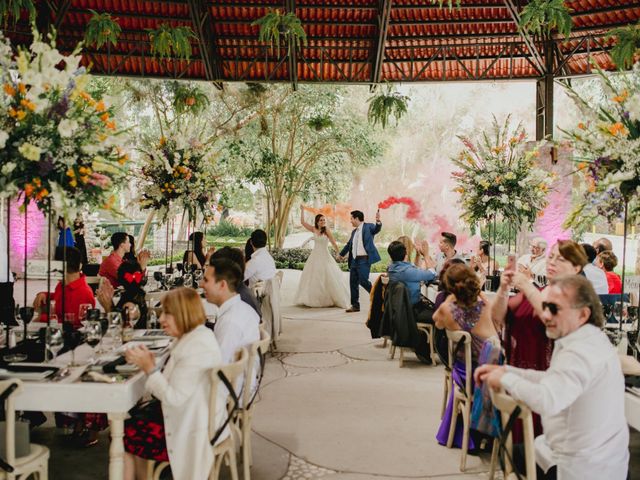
point(322, 283)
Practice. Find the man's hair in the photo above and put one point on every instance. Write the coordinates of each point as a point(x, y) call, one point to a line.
point(484, 246)
point(357, 214)
point(582, 295)
point(259, 239)
point(231, 253)
point(608, 259)
point(590, 251)
point(73, 256)
point(450, 238)
point(397, 251)
point(118, 239)
point(602, 245)
point(539, 242)
point(227, 270)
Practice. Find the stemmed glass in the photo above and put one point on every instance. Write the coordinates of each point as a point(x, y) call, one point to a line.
point(115, 329)
point(83, 312)
point(93, 335)
point(54, 339)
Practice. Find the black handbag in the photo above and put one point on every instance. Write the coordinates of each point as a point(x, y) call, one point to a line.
point(147, 411)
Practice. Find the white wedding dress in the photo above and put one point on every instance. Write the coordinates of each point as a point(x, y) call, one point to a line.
point(322, 283)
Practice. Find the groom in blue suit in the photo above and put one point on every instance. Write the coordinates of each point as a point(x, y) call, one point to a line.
point(362, 254)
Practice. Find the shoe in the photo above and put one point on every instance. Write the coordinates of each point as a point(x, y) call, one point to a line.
point(352, 309)
point(86, 439)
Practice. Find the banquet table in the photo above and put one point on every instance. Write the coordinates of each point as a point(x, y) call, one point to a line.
point(70, 395)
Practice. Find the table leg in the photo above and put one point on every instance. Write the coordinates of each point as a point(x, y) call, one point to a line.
point(116, 450)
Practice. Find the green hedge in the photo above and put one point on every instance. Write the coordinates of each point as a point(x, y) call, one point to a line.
point(295, 258)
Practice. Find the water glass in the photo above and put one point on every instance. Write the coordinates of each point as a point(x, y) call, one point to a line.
point(54, 340)
point(487, 285)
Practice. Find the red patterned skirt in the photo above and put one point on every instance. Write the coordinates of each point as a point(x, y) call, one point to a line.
point(144, 435)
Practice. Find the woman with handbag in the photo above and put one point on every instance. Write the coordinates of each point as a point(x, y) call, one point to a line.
point(174, 427)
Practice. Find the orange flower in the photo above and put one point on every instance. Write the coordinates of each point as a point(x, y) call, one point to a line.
point(12, 113)
point(162, 141)
point(111, 125)
point(20, 114)
point(42, 194)
point(123, 159)
point(22, 88)
point(582, 126)
point(618, 129)
point(73, 183)
point(71, 173)
point(9, 90)
point(28, 190)
point(27, 104)
point(100, 106)
point(86, 96)
point(104, 117)
point(622, 97)
point(582, 166)
point(37, 182)
point(84, 179)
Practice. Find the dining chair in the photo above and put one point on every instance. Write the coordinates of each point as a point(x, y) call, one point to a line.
point(257, 350)
point(462, 394)
point(36, 462)
point(507, 405)
point(225, 450)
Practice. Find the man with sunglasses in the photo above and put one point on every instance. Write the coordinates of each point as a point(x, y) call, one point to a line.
point(580, 397)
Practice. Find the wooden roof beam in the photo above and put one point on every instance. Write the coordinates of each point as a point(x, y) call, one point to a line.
point(203, 23)
point(384, 16)
point(526, 38)
point(290, 7)
point(61, 13)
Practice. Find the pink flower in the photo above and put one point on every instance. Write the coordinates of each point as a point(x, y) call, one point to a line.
point(99, 179)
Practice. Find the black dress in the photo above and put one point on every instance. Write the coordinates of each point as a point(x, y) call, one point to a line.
point(78, 234)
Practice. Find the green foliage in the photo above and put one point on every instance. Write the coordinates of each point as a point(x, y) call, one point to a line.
point(627, 44)
point(167, 41)
point(449, 3)
point(229, 229)
point(290, 257)
point(12, 8)
point(543, 16)
point(189, 98)
point(320, 122)
point(274, 24)
point(101, 29)
point(386, 104)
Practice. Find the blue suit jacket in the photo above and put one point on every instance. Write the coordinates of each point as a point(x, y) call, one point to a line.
point(369, 230)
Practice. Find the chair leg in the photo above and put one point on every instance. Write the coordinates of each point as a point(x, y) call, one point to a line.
point(466, 413)
point(445, 396)
point(246, 448)
point(384, 343)
point(432, 350)
point(401, 357)
point(233, 464)
point(454, 421)
point(494, 458)
point(392, 351)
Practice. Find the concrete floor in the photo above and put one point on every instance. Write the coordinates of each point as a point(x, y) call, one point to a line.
point(331, 406)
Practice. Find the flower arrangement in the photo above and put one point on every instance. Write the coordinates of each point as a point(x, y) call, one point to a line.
point(179, 171)
point(607, 145)
point(58, 144)
point(499, 177)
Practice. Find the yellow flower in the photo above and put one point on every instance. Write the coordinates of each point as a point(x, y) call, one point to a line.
point(27, 104)
point(71, 173)
point(23, 63)
point(73, 183)
point(100, 106)
point(22, 88)
point(20, 114)
point(30, 152)
point(9, 90)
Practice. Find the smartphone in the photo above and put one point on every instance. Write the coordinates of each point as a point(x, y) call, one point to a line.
point(511, 262)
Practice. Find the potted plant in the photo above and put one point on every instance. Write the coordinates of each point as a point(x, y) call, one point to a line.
point(101, 29)
point(627, 45)
point(12, 8)
point(386, 104)
point(274, 24)
point(167, 41)
point(543, 16)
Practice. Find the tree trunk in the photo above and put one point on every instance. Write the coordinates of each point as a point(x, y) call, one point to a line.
point(145, 229)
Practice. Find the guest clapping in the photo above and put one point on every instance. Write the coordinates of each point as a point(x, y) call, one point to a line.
point(199, 255)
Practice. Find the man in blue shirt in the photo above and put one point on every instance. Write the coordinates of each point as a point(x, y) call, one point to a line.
point(403, 271)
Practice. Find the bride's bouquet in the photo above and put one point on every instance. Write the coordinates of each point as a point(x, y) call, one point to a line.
point(59, 145)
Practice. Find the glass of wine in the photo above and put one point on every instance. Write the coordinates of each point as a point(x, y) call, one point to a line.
point(54, 339)
point(93, 335)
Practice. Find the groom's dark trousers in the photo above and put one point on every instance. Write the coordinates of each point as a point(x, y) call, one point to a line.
point(359, 275)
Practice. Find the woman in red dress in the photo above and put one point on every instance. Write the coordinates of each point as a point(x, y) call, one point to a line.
point(607, 261)
point(523, 333)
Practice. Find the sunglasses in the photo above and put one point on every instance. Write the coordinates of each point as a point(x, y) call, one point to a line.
point(552, 307)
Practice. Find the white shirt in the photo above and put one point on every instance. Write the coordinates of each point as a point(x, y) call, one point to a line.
point(441, 259)
point(357, 245)
point(3, 257)
point(598, 278)
point(581, 401)
point(262, 266)
point(537, 266)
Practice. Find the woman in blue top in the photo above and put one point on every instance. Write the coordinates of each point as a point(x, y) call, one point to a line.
point(65, 237)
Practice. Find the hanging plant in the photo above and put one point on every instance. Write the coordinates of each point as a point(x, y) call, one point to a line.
point(274, 24)
point(627, 45)
point(543, 16)
point(101, 29)
point(449, 3)
point(387, 104)
point(12, 8)
point(188, 98)
point(320, 122)
point(167, 41)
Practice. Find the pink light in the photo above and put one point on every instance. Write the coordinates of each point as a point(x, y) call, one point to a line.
point(36, 227)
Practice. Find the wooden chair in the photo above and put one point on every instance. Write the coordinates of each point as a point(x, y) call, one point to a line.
point(37, 461)
point(462, 395)
point(224, 451)
point(428, 330)
point(245, 414)
point(507, 404)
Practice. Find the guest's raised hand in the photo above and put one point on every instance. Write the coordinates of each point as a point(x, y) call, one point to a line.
point(143, 258)
point(525, 270)
point(483, 372)
point(104, 294)
point(378, 216)
point(520, 280)
point(40, 300)
point(139, 355)
point(506, 280)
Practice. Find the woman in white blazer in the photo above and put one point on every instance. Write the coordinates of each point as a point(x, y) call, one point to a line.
point(180, 433)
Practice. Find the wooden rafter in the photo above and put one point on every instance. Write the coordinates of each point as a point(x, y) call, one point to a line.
point(526, 38)
point(203, 23)
point(61, 12)
point(290, 7)
point(384, 16)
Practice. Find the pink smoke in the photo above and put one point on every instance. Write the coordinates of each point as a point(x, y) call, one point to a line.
point(414, 212)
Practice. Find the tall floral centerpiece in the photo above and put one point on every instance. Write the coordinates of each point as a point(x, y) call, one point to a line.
point(178, 173)
point(58, 144)
point(607, 151)
point(499, 177)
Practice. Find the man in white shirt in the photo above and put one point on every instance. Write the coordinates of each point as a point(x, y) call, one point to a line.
point(581, 396)
point(448, 250)
point(261, 266)
point(595, 275)
point(536, 261)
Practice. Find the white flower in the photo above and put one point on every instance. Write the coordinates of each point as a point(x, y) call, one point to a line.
point(7, 168)
point(517, 203)
point(485, 198)
point(4, 136)
point(66, 127)
point(30, 152)
point(504, 199)
point(501, 188)
point(633, 106)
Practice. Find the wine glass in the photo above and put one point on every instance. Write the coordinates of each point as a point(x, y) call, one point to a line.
point(83, 312)
point(54, 339)
point(114, 330)
point(93, 335)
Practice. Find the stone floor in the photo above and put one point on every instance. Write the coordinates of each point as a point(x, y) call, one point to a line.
point(331, 407)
